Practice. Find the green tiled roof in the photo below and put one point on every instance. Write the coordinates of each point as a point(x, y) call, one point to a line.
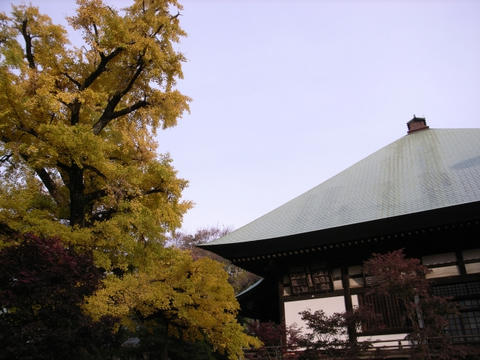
point(425, 170)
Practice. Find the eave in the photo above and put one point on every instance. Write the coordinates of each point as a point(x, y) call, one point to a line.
point(349, 236)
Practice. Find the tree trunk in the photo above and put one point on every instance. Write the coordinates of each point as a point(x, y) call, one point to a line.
point(77, 196)
point(164, 348)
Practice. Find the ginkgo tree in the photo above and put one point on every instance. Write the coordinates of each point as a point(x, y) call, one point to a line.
point(77, 127)
point(78, 160)
point(177, 297)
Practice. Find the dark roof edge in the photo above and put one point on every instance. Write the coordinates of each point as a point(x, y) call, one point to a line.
point(403, 223)
point(251, 287)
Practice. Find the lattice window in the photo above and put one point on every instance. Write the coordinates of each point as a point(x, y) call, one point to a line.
point(463, 327)
point(299, 283)
point(310, 280)
point(471, 323)
point(469, 303)
point(388, 313)
point(457, 290)
point(321, 280)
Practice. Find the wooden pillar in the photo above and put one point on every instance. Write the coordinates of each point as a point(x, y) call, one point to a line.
point(461, 262)
point(352, 332)
point(281, 306)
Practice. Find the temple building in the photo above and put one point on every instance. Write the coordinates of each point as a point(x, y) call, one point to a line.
point(420, 193)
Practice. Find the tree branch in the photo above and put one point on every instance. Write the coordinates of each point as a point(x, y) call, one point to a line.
point(103, 215)
point(46, 180)
point(5, 157)
point(7, 230)
point(49, 184)
point(75, 109)
point(63, 166)
point(107, 214)
point(140, 67)
point(95, 30)
point(100, 193)
point(160, 27)
point(95, 195)
point(77, 83)
point(108, 114)
point(154, 191)
point(28, 45)
point(95, 170)
point(128, 110)
point(102, 66)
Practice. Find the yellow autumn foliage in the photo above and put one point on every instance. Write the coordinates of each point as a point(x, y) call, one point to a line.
point(191, 297)
point(77, 126)
point(78, 161)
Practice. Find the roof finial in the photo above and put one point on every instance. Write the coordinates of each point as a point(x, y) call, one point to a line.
point(417, 123)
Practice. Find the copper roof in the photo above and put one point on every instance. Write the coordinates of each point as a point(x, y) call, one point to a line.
point(425, 170)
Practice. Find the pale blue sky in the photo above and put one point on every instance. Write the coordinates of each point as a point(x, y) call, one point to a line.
point(286, 94)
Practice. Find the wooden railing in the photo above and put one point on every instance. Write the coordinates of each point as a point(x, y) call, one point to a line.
point(379, 349)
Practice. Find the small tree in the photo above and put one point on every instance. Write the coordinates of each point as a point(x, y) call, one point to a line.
point(395, 275)
point(272, 336)
point(328, 335)
point(42, 286)
point(324, 336)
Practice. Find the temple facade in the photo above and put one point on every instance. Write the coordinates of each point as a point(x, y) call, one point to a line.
point(420, 193)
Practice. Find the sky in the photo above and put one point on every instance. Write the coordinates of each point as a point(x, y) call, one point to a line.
point(287, 94)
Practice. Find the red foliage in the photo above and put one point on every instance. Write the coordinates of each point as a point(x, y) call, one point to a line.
point(42, 285)
point(394, 274)
point(270, 333)
point(324, 337)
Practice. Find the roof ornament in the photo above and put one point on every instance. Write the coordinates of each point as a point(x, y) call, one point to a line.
point(417, 123)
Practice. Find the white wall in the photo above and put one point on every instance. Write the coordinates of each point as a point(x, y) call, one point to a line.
point(332, 305)
point(329, 305)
